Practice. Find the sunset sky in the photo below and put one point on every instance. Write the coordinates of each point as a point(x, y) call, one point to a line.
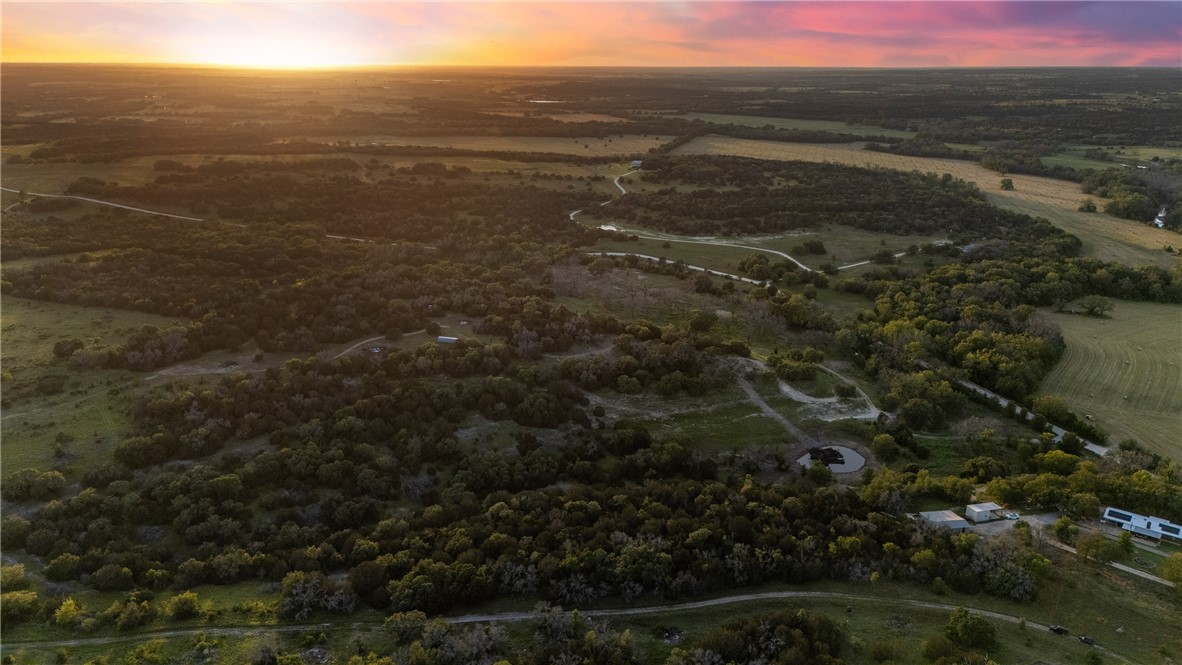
point(638, 33)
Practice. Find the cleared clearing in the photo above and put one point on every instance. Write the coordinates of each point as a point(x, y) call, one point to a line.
point(1103, 236)
point(1125, 371)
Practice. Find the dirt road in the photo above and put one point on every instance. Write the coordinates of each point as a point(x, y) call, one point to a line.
point(509, 617)
point(106, 203)
point(768, 411)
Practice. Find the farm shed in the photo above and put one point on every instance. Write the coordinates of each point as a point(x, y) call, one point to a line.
point(945, 519)
point(1154, 528)
point(983, 512)
point(447, 340)
point(636, 163)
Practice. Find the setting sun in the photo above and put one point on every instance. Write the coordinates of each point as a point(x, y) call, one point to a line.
point(277, 52)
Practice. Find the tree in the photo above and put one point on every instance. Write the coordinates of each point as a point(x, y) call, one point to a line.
point(66, 615)
point(1065, 530)
point(1096, 305)
point(970, 630)
point(1098, 548)
point(1172, 569)
point(885, 448)
point(1007, 184)
point(1087, 205)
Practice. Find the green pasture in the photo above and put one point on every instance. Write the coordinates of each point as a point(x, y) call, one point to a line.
point(88, 411)
point(1124, 370)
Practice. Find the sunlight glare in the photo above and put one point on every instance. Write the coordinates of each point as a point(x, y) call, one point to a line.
point(281, 52)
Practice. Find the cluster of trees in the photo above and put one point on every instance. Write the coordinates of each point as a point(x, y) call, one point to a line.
point(1132, 197)
point(1025, 157)
point(668, 360)
point(923, 147)
point(448, 208)
point(286, 288)
point(311, 502)
point(979, 315)
point(784, 272)
point(785, 637)
point(1125, 477)
point(734, 195)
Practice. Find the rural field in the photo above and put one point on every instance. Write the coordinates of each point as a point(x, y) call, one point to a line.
point(798, 123)
point(1124, 370)
point(626, 144)
point(86, 411)
point(1104, 236)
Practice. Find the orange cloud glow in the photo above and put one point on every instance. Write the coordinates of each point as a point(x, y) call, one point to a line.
point(727, 33)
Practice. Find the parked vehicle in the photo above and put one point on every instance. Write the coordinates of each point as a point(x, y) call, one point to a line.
point(1012, 516)
point(1086, 640)
point(1059, 630)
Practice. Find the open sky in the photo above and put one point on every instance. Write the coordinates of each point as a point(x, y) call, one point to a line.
point(636, 33)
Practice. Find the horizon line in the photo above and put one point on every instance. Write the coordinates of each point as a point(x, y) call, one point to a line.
point(331, 68)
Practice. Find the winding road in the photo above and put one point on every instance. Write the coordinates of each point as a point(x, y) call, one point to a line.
point(755, 398)
point(714, 243)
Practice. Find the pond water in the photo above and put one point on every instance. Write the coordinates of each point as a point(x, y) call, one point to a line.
point(850, 459)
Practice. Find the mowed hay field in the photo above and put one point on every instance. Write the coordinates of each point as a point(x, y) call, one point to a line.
point(1126, 371)
point(1103, 236)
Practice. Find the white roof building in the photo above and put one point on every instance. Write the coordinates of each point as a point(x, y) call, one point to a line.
point(983, 512)
point(1150, 527)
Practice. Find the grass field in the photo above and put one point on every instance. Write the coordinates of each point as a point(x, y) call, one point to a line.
point(1130, 153)
point(88, 409)
point(848, 244)
point(799, 123)
point(1124, 370)
point(1104, 236)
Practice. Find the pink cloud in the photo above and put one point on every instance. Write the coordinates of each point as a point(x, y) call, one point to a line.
point(638, 33)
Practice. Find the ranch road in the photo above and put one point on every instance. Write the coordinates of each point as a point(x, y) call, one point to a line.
point(509, 617)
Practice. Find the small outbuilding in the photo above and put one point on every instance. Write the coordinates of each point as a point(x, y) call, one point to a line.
point(636, 164)
point(945, 519)
point(447, 340)
point(983, 512)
